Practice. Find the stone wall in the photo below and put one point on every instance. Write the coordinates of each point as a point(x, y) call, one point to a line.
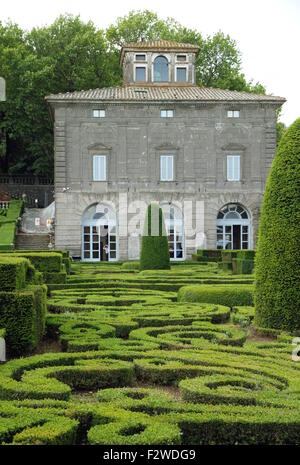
point(133, 136)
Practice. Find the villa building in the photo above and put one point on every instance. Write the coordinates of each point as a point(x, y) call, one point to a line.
point(203, 154)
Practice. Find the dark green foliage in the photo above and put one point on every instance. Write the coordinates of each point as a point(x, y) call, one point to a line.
point(208, 255)
point(50, 264)
point(23, 310)
point(40, 305)
point(245, 254)
point(47, 262)
point(228, 255)
point(23, 316)
point(67, 262)
point(155, 248)
point(241, 266)
point(13, 273)
point(239, 261)
point(277, 276)
point(229, 294)
point(55, 277)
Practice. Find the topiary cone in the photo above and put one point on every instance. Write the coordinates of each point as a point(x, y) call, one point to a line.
point(277, 267)
point(155, 248)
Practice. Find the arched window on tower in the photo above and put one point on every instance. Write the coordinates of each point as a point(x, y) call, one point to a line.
point(161, 73)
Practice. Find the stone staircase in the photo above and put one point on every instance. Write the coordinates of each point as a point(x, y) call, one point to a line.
point(31, 241)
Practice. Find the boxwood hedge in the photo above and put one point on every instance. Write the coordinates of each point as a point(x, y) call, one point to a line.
point(277, 277)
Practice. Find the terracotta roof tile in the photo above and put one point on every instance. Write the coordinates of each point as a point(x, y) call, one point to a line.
point(162, 93)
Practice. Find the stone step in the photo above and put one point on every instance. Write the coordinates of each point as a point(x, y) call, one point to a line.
point(31, 241)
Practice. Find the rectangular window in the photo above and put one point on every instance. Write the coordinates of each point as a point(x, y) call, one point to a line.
point(140, 57)
point(99, 113)
point(166, 113)
point(233, 167)
point(233, 114)
point(140, 73)
point(99, 168)
point(166, 167)
point(181, 74)
point(181, 57)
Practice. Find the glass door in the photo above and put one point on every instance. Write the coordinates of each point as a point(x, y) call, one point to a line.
point(233, 237)
point(91, 242)
point(112, 243)
point(175, 240)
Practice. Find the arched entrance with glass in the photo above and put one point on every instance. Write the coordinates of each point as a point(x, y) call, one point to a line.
point(233, 227)
point(161, 69)
point(175, 230)
point(99, 233)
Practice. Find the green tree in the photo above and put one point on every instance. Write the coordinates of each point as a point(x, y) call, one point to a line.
point(66, 56)
point(277, 271)
point(155, 248)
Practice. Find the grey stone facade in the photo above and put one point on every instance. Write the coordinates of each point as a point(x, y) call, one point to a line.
point(133, 136)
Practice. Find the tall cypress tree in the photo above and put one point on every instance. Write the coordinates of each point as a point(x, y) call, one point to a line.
point(155, 248)
point(277, 271)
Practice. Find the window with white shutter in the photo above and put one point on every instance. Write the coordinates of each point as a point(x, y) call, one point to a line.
point(233, 167)
point(166, 168)
point(99, 168)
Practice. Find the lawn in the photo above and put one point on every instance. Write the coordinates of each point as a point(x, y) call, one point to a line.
point(137, 362)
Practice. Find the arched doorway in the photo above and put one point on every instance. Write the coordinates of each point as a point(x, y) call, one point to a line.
point(99, 233)
point(175, 230)
point(233, 227)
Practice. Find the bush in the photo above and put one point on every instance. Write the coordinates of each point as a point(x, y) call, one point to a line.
point(206, 255)
point(56, 431)
point(242, 315)
point(67, 262)
point(55, 277)
point(228, 255)
point(245, 254)
point(155, 247)
point(230, 295)
point(134, 431)
point(241, 266)
point(277, 276)
point(53, 376)
point(131, 266)
point(47, 262)
point(13, 273)
point(23, 316)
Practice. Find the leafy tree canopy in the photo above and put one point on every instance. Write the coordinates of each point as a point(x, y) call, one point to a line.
point(72, 55)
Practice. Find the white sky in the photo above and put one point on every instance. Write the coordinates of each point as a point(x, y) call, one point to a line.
point(266, 31)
